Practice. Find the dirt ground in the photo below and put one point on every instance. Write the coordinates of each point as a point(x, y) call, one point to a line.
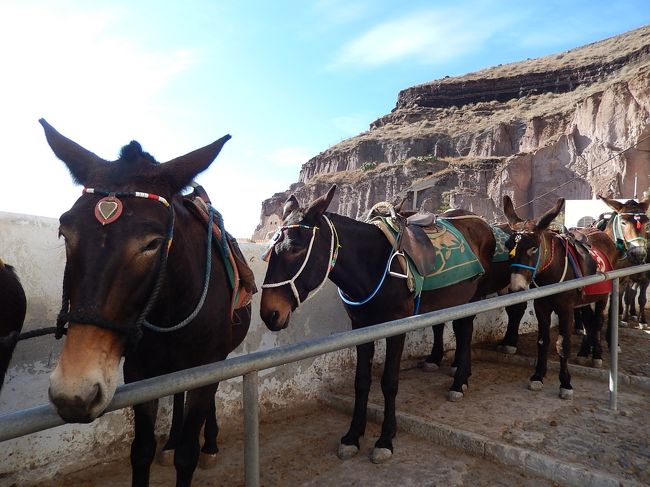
point(298, 448)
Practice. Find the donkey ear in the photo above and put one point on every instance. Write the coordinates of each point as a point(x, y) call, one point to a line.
point(546, 219)
point(318, 206)
point(509, 210)
point(289, 206)
point(80, 162)
point(612, 203)
point(180, 172)
point(645, 204)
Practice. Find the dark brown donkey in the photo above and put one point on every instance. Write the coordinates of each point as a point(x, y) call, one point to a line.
point(540, 258)
point(312, 246)
point(12, 315)
point(140, 265)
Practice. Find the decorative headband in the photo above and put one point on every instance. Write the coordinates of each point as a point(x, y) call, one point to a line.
point(109, 208)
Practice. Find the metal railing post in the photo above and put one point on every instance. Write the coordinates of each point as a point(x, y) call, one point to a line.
point(613, 344)
point(251, 430)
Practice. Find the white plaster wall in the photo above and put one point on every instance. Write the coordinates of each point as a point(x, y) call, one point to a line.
point(30, 244)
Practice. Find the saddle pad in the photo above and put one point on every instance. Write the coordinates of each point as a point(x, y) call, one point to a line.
point(604, 265)
point(455, 260)
point(501, 253)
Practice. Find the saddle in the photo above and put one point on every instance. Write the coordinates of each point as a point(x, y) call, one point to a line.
point(242, 279)
point(578, 241)
point(412, 238)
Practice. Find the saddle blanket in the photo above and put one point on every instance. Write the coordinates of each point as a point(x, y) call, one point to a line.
point(604, 265)
point(501, 253)
point(454, 259)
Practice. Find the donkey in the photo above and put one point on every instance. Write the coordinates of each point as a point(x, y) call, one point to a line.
point(13, 306)
point(540, 258)
point(138, 271)
point(312, 246)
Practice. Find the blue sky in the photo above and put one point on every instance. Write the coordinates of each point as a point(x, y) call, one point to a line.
point(287, 79)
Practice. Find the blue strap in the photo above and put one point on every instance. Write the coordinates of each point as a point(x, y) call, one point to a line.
point(349, 302)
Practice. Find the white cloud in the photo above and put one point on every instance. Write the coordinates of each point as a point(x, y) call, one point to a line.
point(429, 36)
point(291, 156)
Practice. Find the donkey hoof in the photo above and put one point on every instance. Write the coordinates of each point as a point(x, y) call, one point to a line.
point(347, 451)
point(207, 461)
point(509, 349)
point(597, 363)
point(380, 455)
point(165, 458)
point(566, 393)
point(581, 360)
point(452, 371)
point(428, 366)
point(535, 385)
point(455, 396)
point(623, 323)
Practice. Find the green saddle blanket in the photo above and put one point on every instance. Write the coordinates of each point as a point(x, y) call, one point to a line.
point(455, 260)
point(501, 253)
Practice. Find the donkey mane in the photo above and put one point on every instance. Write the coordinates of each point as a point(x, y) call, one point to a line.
point(132, 153)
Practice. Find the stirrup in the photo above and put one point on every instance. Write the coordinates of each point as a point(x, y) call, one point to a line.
point(390, 263)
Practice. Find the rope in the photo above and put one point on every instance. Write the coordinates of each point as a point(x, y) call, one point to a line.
point(26, 335)
point(206, 280)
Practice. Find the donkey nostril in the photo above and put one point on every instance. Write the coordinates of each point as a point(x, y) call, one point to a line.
point(95, 398)
point(274, 316)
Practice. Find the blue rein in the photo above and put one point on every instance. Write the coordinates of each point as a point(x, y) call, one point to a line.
point(349, 302)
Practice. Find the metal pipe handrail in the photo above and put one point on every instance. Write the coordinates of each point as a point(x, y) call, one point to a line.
point(42, 417)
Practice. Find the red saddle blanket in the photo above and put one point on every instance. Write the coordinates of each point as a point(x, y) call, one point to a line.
point(604, 265)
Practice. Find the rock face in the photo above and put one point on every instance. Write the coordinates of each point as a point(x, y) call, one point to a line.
point(571, 125)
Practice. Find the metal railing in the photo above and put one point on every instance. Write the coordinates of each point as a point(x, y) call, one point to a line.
point(38, 418)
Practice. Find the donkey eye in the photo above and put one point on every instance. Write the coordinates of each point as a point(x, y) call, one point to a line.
point(152, 246)
point(531, 251)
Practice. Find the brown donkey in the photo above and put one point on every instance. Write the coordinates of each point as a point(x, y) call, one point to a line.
point(139, 267)
point(312, 246)
point(541, 258)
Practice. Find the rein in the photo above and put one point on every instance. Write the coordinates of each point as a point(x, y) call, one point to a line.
point(334, 250)
point(107, 214)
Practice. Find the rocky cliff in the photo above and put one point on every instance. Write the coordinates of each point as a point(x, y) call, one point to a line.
point(573, 124)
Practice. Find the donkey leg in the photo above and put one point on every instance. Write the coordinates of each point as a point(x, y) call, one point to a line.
point(433, 361)
point(643, 299)
point(166, 455)
point(515, 314)
point(563, 348)
point(389, 385)
point(349, 445)
point(208, 456)
point(597, 347)
point(463, 329)
point(543, 313)
point(143, 447)
point(587, 319)
point(187, 451)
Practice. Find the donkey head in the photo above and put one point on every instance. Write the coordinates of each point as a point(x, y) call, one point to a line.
point(117, 240)
point(298, 258)
point(525, 243)
point(628, 227)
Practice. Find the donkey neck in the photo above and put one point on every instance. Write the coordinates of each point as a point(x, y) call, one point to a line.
point(362, 258)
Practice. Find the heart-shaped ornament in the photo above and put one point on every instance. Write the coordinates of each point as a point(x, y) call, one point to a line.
point(108, 209)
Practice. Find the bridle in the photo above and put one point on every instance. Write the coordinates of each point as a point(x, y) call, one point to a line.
point(107, 210)
point(540, 250)
point(333, 255)
point(621, 242)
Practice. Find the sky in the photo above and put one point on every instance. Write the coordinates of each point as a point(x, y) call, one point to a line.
point(287, 79)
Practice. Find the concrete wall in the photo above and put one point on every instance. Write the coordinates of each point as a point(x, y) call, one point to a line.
point(31, 245)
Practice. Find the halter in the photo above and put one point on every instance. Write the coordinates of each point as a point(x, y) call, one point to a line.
point(617, 230)
point(334, 250)
point(518, 236)
point(107, 210)
point(536, 270)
